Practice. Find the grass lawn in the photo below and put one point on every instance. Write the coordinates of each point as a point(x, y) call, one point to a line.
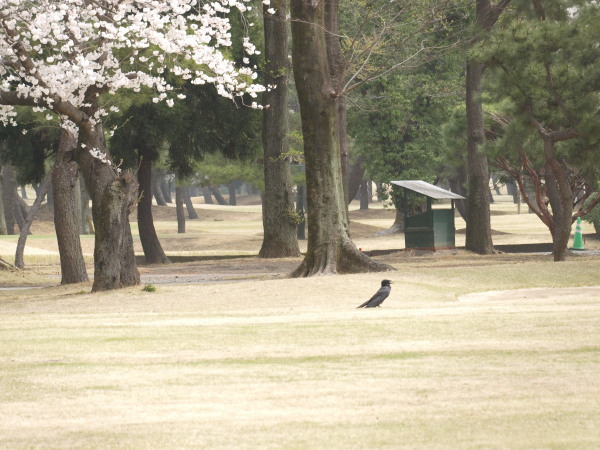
point(293, 364)
point(469, 351)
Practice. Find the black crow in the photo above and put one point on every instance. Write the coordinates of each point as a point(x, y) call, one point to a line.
point(379, 296)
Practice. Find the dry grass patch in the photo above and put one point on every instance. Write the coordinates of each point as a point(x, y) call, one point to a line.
point(291, 363)
point(270, 362)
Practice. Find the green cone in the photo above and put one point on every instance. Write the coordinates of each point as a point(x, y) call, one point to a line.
point(578, 238)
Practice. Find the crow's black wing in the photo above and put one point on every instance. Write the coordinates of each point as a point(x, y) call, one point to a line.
point(378, 298)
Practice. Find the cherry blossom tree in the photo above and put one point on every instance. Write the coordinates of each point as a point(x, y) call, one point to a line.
point(70, 57)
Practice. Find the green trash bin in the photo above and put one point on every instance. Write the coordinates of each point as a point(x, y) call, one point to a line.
point(432, 229)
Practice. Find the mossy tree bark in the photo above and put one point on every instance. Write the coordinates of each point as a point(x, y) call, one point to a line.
point(330, 249)
point(279, 240)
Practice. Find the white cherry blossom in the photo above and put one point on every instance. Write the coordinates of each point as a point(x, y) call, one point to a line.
point(67, 52)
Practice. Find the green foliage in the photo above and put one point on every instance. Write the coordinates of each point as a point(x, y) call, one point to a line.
point(217, 169)
point(28, 144)
point(398, 128)
point(413, 83)
point(295, 217)
point(545, 73)
point(594, 215)
point(149, 288)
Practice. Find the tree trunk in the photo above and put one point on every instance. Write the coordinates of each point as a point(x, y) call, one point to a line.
point(561, 201)
point(301, 212)
point(215, 191)
point(20, 211)
point(179, 209)
point(397, 226)
point(357, 173)
point(9, 191)
point(330, 249)
point(513, 191)
point(3, 229)
point(153, 251)
point(187, 198)
point(66, 223)
point(207, 195)
point(279, 239)
point(337, 72)
point(364, 195)
point(479, 231)
point(156, 189)
point(113, 194)
point(232, 196)
point(19, 262)
point(78, 204)
point(165, 187)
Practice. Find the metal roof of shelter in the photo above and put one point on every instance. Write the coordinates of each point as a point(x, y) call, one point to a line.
point(428, 189)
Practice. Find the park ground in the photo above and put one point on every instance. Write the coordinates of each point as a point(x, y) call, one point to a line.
point(469, 351)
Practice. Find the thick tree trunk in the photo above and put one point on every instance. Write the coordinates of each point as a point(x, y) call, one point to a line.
point(9, 192)
point(330, 249)
point(187, 198)
point(179, 209)
point(479, 231)
point(337, 72)
point(66, 219)
point(279, 240)
point(113, 195)
point(153, 251)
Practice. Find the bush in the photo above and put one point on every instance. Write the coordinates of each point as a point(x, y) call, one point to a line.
point(593, 216)
point(149, 288)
